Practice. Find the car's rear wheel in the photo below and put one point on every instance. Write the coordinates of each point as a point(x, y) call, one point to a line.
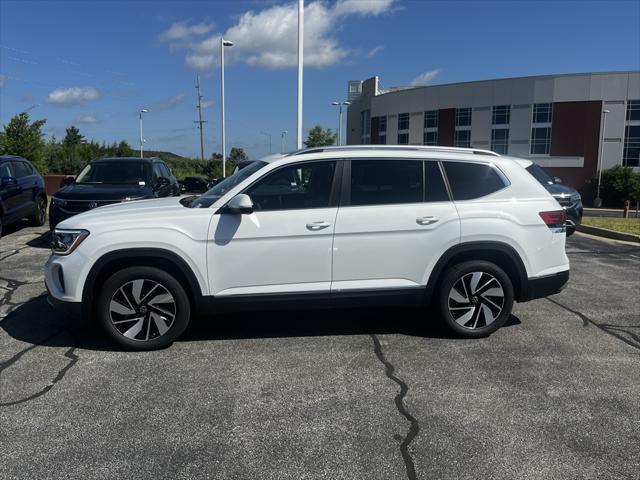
point(39, 216)
point(475, 298)
point(143, 308)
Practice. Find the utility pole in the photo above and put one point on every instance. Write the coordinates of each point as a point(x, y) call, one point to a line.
point(300, 68)
point(200, 121)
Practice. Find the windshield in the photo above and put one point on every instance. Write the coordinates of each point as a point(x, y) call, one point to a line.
point(136, 173)
point(539, 174)
point(209, 197)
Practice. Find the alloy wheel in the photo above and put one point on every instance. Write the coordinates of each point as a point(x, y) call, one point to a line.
point(142, 310)
point(42, 211)
point(476, 300)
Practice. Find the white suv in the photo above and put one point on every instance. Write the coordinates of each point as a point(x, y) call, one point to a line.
point(467, 230)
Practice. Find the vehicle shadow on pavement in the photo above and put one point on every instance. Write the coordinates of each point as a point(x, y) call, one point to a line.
point(35, 322)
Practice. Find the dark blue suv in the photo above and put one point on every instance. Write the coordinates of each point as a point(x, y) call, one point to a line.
point(22, 192)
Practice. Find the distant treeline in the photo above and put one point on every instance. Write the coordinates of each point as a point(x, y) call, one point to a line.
point(25, 138)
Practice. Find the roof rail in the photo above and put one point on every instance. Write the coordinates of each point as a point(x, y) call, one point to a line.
point(412, 148)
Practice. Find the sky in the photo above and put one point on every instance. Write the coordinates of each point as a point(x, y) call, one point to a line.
point(95, 64)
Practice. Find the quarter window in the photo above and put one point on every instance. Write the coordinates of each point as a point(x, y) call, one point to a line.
point(472, 180)
point(381, 182)
point(294, 187)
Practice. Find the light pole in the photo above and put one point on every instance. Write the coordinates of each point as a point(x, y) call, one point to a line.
point(267, 135)
point(223, 43)
point(284, 140)
point(300, 67)
point(142, 110)
point(340, 104)
point(597, 202)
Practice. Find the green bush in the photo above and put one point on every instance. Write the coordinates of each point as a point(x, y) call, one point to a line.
point(618, 184)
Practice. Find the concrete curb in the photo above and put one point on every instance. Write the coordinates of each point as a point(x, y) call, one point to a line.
point(603, 232)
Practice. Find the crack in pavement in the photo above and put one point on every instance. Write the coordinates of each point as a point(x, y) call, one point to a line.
point(70, 354)
point(414, 427)
point(10, 288)
point(605, 327)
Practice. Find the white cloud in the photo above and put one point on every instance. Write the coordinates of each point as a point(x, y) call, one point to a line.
point(183, 31)
point(3, 79)
point(72, 96)
point(362, 7)
point(207, 103)
point(86, 119)
point(166, 104)
point(269, 38)
point(375, 51)
point(425, 78)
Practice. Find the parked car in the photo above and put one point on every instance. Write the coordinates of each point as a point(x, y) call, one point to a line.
point(568, 197)
point(106, 181)
point(466, 230)
point(22, 192)
point(194, 185)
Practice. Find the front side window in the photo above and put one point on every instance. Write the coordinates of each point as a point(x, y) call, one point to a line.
point(472, 180)
point(21, 169)
point(294, 187)
point(382, 182)
point(5, 170)
point(240, 175)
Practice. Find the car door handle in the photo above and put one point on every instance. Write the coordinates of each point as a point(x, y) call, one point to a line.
point(426, 220)
point(315, 226)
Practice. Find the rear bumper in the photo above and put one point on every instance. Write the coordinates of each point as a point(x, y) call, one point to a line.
point(539, 287)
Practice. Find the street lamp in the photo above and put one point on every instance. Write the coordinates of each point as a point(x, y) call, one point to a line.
point(284, 140)
point(142, 110)
point(267, 135)
point(597, 202)
point(340, 104)
point(223, 43)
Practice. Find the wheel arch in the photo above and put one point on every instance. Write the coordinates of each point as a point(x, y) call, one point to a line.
point(151, 257)
point(502, 254)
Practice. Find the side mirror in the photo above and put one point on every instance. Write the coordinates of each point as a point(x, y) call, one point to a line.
point(162, 182)
point(241, 204)
point(9, 181)
point(557, 179)
point(67, 181)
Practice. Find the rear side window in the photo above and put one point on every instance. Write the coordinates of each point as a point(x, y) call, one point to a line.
point(381, 182)
point(21, 169)
point(472, 180)
point(435, 189)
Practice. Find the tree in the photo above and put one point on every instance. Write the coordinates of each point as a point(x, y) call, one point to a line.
point(73, 137)
point(24, 138)
point(320, 138)
point(619, 184)
point(237, 154)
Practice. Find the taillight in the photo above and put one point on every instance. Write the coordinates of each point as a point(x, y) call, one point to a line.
point(554, 218)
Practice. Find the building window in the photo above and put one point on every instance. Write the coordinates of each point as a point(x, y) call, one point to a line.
point(500, 140)
point(541, 129)
point(403, 129)
point(382, 130)
point(631, 153)
point(501, 115)
point(365, 119)
point(431, 127)
point(462, 138)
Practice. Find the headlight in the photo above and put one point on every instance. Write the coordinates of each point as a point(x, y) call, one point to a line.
point(576, 197)
point(63, 242)
point(58, 202)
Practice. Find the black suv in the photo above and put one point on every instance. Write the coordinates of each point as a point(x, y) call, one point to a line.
point(22, 192)
point(112, 180)
point(194, 185)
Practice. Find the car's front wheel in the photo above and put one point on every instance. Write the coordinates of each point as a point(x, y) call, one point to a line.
point(143, 308)
point(476, 298)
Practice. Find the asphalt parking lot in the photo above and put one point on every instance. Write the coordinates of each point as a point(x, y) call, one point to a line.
point(345, 394)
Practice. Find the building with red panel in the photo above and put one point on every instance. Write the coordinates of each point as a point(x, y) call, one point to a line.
point(558, 121)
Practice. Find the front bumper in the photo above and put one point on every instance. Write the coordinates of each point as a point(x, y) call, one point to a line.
point(69, 309)
point(539, 287)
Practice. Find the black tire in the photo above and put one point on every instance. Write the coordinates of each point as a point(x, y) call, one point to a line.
point(570, 230)
point(142, 310)
point(39, 216)
point(475, 298)
point(1, 224)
